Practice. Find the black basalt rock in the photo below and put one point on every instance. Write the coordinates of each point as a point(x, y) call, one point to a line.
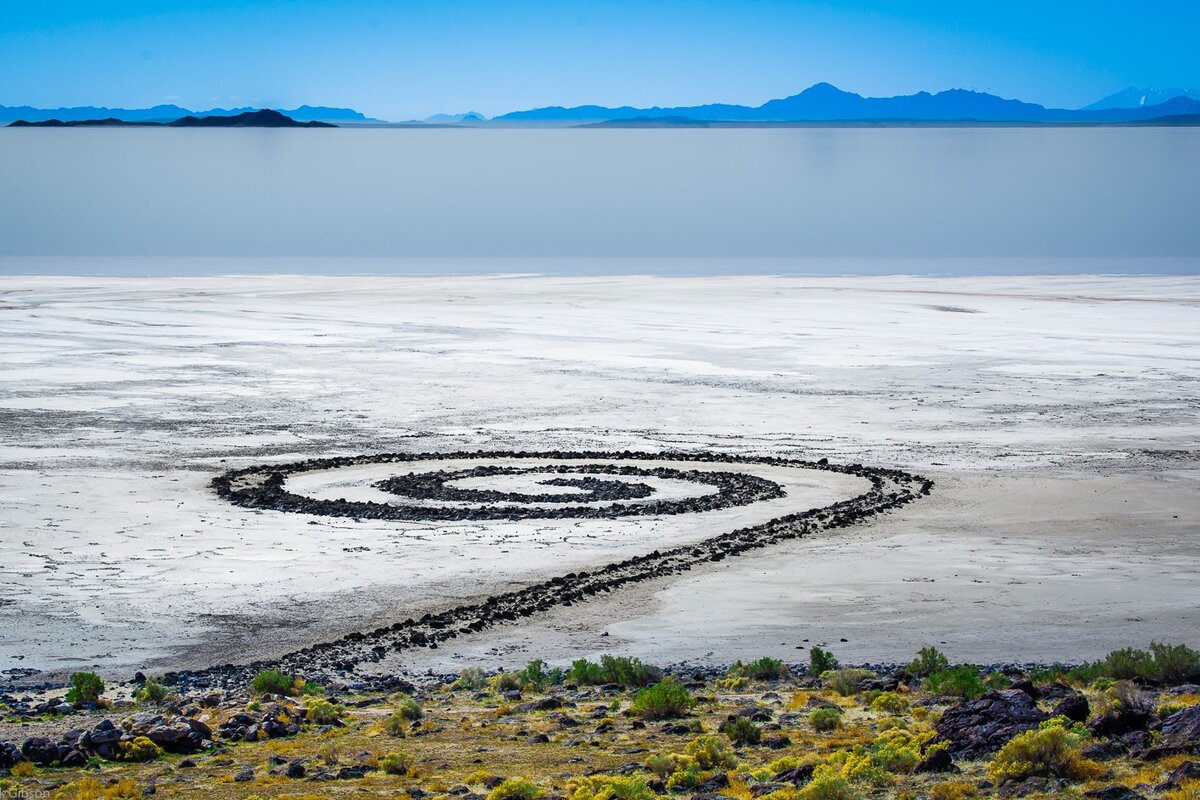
point(980, 727)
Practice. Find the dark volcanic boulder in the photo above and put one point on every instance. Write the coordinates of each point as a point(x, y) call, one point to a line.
point(1187, 771)
point(1116, 792)
point(980, 727)
point(1120, 721)
point(938, 760)
point(1074, 707)
point(1182, 729)
point(10, 755)
point(73, 758)
point(40, 750)
point(1118, 746)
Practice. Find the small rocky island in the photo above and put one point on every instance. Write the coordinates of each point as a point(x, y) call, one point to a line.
point(263, 118)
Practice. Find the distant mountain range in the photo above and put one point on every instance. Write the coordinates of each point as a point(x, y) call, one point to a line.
point(265, 118)
point(169, 113)
point(826, 103)
point(819, 104)
point(1136, 98)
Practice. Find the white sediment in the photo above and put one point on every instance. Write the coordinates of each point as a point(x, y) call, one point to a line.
point(1057, 415)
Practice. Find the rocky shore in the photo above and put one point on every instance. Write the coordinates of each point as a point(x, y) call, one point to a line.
point(621, 728)
point(264, 488)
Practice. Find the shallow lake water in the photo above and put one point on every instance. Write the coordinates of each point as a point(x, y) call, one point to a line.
point(591, 200)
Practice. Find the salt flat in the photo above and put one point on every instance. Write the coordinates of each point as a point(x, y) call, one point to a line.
point(1058, 416)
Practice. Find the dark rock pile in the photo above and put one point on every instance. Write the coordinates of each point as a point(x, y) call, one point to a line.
point(272, 722)
point(174, 734)
point(262, 487)
point(977, 728)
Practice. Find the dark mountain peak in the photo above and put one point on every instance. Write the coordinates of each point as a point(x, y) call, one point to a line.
point(823, 89)
point(263, 118)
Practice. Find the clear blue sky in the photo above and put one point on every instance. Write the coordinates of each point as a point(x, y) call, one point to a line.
point(405, 59)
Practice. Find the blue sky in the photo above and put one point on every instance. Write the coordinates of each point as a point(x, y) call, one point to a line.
point(409, 59)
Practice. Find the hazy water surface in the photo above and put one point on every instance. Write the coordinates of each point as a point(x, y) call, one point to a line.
point(1126, 199)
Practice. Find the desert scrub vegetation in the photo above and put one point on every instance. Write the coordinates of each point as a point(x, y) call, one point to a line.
point(471, 679)
point(1170, 664)
point(812, 743)
point(664, 700)
point(140, 749)
point(86, 687)
point(322, 712)
point(928, 661)
point(821, 661)
point(825, 719)
point(962, 681)
point(272, 681)
point(505, 682)
point(536, 675)
point(92, 789)
point(396, 763)
point(1051, 751)
point(889, 703)
point(631, 673)
point(152, 691)
point(609, 787)
point(700, 761)
point(516, 789)
point(845, 680)
point(409, 709)
point(764, 669)
point(741, 731)
point(827, 784)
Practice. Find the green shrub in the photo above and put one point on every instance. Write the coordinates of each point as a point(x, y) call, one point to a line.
point(827, 784)
point(86, 687)
point(961, 681)
point(664, 700)
point(1088, 674)
point(534, 674)
point(845, 680)
point(470, 679)
point(741, 731)
point(394, 725)
point(608, 787)
point(764, 669)
point(140, 749)
point(928, 661)
point(687, 775)
point(396, 763)
point(709, 752)
point(820, 661)
point(1128, 662)
point(1171, 664)
point(323, 712)
point(1175, 663)
point(409, 709)
point(505, 682)
point(889, 703)
point(825, 719)
point(585, 673)
point(515, 789)
point(151, 692)
point(660, 765)
point(1051, 752)
point(997, 680)
point(272, 681)
point(629, 672)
